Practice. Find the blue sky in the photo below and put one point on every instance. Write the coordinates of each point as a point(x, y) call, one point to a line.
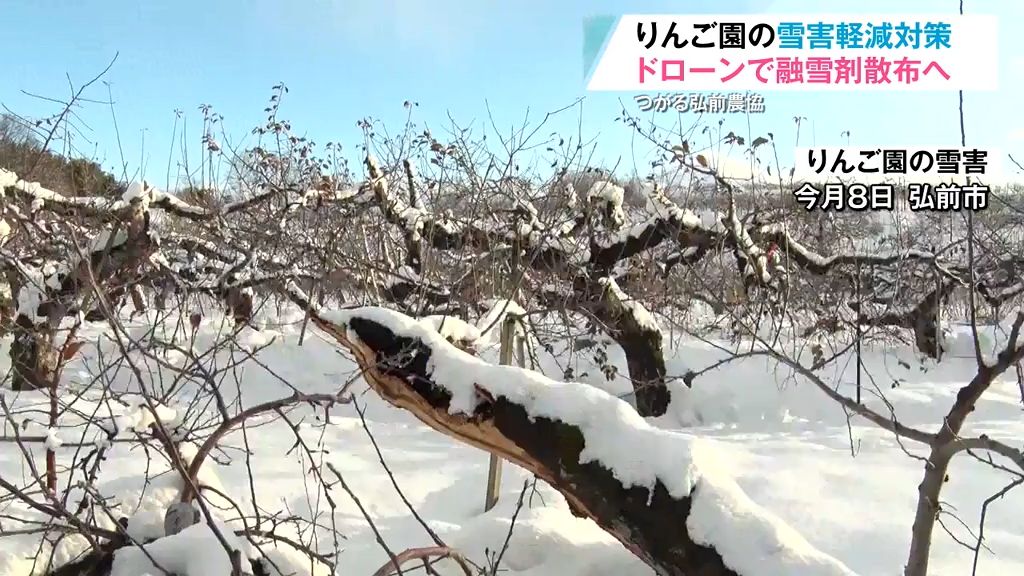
point(348, 59)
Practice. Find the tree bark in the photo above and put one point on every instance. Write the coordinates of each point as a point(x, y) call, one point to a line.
point(33, 356)
point(947, 444)
point(926, 513)
point(641, 343)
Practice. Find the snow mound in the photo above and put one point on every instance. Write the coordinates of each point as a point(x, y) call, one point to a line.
point(452, 328)
point(195, 551)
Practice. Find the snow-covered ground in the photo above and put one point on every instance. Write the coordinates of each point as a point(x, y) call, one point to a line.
point(847, 487)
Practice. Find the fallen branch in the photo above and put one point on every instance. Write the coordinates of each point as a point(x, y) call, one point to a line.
point(642, 485)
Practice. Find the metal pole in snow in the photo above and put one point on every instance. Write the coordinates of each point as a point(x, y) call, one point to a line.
point(508, 338)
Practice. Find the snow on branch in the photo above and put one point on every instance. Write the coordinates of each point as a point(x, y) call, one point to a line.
point(819, 263)
point(633, 309)
point(44, 199)
point(441, 232)
point(444, 232)
point(41, 198)
point(667, 222)
point(611, 196)
point(660, 493)
point(634, 329)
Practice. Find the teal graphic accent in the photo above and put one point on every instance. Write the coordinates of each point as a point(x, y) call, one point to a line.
point(597, 30)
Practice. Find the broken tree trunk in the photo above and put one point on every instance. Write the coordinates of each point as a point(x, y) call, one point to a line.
point(651, 526)
point(669, 519)
point(673, 518)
